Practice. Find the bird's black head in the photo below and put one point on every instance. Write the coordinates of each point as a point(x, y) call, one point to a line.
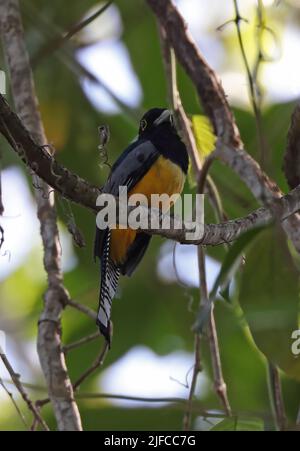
point(157, 126)
point(154, 118)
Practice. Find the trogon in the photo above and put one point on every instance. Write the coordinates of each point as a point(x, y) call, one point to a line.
point(155, 163)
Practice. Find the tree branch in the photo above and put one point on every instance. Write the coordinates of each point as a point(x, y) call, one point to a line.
point(59, 40)
point(81, 341)
point(205, 80)
point(10, 395)
point(49, 342)
point(16, 381)
point(98, 362)
point(71, 186)
point(215, 105)
point(188, 136)
point(276, 397)
point(39, 160)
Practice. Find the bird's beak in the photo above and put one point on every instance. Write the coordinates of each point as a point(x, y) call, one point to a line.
point(164, 117)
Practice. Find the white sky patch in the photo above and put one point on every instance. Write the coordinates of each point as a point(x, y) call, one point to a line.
point(23, 357)
point(107, 26)
point(282, 78)
point(201, 16)
point(21, 226)
point(19, 221)
point(143, 373)
point(2, 342)
point(69, 259)
point(186, 265)
point(109, 59)
point(110, 62)
point(2, 82)
point(235, 85)
point(202, 22)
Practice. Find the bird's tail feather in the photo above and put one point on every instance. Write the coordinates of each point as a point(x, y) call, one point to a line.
point(110, 273)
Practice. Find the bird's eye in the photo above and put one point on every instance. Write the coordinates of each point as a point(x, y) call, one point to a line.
point(143, 124)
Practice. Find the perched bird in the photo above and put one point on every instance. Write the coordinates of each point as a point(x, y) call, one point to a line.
point(155, 163)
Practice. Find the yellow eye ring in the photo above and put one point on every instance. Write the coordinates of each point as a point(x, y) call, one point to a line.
point(143, 124)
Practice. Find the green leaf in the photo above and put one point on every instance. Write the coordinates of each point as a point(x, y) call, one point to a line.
point(235, 424)
point(230, 265)
point(232, 260)
point(269, 297)
point(204, 134)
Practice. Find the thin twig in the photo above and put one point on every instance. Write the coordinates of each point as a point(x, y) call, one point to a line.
point(128, 398)
point(276, 397)
point(71, 186)
point(187, 418)
point(183, 123)
point(203, 176)
point(10, 395)
point(219, 383)
point(170, 63)
point(73, 29)
point(49, 341)
point(68, 58)
point(82, 341)
point(98, 362)
point(83, 309)
point(16, 380)
point(252, 88)
point(215, 104)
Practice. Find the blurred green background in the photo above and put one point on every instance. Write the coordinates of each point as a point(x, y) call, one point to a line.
point(152, 352)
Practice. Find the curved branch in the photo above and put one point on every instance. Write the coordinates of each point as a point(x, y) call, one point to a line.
point(204, 78)
point(50, 352)
point(39, 160)
point(215, 105)
point(80, 191)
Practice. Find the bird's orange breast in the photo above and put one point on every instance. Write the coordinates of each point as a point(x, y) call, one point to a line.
point(164, 177)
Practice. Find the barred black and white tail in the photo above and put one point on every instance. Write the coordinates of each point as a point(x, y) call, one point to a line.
point(110, 274)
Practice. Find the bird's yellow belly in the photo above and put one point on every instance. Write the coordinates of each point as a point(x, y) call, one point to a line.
point(164, 177)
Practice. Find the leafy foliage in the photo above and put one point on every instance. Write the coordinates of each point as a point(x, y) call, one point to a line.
point(152, 312)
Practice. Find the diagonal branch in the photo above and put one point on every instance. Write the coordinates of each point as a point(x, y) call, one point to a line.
point(39, 160)
point(185, 128)
point(71, 186)
point(97, 363)
point(204, 78)
point(214, 102)
point(276, 397)
point(49, 340)
point(16, 381)
point(59, 40)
